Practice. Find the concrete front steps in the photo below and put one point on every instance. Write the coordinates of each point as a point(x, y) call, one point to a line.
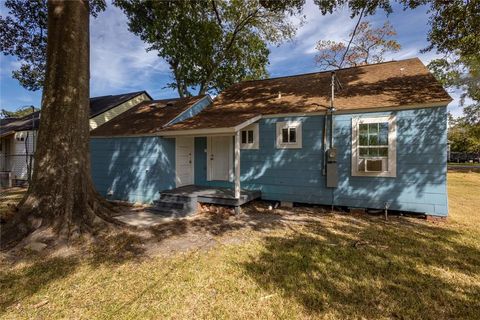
point(175, 206)
point(183, 201)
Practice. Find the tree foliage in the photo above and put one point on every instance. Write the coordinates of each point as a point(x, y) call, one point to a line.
point(455, 34)
point(210, 44)
point(464, 132)
point(368, 45)
point(367, 7)
point(23, 34)
point(18, 113)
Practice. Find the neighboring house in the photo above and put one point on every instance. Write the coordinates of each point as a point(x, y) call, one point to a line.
point(105, 108)
point(388, 147)
point(18, 136)
point(17, 145)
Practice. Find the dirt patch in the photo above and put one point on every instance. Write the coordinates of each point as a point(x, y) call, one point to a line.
point(165, 237)
point(9, 198)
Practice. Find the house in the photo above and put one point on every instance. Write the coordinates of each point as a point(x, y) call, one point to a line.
point(130, 161)
point(17, 143)
point(382, 145)
point(18, 135)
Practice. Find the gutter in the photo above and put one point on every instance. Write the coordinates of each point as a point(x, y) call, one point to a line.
point(210, 131)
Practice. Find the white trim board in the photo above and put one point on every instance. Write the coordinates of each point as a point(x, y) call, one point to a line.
point(355, 111)
point(197, 132)
point(256, 137)
point(392, 146)
point(247, 123)
point(184, 111)
point(111, 113)
point(288, 124)
point(232, 130)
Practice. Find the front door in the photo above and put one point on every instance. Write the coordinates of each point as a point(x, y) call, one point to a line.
point(219, 157)
point(184, 161)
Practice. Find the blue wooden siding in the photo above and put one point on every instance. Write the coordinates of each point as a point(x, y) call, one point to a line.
point(296, 174)
point(133, 169)
point(136, 169)
point(193, 110)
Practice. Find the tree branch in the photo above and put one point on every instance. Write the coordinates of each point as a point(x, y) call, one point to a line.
point(238, 27)
point(353, 35)
point(214, 6)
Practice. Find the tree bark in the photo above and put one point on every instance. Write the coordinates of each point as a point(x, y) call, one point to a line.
point(61, 194)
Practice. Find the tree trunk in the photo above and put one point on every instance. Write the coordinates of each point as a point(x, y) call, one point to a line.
point(61, 194)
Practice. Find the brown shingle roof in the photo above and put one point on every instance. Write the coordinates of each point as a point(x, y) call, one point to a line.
point(148, 117)
point(383, 85)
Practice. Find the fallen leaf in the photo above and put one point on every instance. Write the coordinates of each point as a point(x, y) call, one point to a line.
point(41, 304)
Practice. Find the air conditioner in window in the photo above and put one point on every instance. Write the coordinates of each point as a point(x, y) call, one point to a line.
point(376, 165)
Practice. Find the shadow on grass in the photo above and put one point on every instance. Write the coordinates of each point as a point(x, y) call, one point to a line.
point(332, 265)
point(35, 271)
point(18, 285)
point(366, 267)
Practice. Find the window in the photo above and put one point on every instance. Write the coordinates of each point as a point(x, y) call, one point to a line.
point(374, 146)
point(249, 137)
point(289, 135)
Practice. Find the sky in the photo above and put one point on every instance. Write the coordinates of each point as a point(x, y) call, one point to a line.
point(120, 62)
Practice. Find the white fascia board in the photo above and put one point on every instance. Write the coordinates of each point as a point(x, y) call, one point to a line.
point(247, 123)
point(196, 132)
point(211, 131)
point(359, 110)
point(178, 115)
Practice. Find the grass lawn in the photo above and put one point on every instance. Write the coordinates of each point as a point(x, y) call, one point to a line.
point(301, 263)
point(462, 164)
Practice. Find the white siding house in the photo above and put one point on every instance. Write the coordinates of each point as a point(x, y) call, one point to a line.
point(18, 137)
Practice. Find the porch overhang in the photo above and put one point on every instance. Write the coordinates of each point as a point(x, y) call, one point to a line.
point(211, 131)
point(198, 132)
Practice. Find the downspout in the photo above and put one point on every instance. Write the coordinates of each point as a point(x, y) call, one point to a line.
point(26, 156)
point(324, 171)
point(332, 126)
point(33, 145)
point(332, 110)
point(33, 129)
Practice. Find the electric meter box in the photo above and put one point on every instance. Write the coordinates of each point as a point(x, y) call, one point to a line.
point(332, 172)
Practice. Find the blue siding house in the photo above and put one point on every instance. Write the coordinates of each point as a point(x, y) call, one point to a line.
point(379, 143)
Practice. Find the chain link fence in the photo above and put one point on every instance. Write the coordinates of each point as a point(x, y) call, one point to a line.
point(15, 169)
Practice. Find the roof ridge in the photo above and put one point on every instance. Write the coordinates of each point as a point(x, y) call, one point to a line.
point(333, 70)
point(176, 98)
point(120, 94)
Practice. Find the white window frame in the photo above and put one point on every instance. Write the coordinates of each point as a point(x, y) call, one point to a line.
point(254, 145)
point(392, 146)
point(285, 125)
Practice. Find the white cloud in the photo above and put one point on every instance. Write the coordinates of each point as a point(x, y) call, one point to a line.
point(8, 64)
point(411, 26)
point(119, 61)
point(333, 27)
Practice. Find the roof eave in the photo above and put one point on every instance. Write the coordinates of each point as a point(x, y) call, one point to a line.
point(116, 105)
point(194, 132)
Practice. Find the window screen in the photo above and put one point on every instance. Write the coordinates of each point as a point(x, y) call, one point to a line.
point(373, 147)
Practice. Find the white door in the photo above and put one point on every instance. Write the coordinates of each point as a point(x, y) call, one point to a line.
point(184, 161)
point(219, 157)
